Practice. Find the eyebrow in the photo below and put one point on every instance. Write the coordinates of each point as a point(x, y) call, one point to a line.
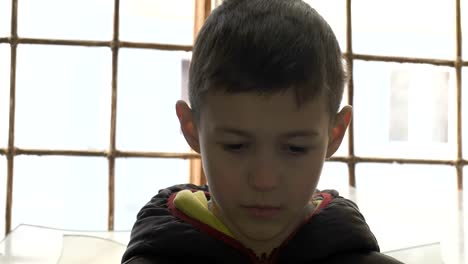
point(290, 134)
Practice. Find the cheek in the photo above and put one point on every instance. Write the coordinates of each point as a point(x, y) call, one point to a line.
point(304, 175)
point(223, 175)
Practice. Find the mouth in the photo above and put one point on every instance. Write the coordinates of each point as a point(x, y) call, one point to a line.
point(262, 211)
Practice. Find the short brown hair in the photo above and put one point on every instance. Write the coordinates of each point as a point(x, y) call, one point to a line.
point(266, 47)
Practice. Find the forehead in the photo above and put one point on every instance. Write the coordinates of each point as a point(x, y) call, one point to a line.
point(269, 113)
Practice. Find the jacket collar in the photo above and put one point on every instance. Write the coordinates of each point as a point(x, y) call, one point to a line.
point(163, 230)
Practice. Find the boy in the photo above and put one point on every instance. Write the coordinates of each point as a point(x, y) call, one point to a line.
point(265, 86)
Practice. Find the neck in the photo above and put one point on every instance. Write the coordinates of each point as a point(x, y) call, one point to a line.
point(265, 248)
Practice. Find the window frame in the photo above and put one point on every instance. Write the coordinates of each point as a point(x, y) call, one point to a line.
point(196, 175)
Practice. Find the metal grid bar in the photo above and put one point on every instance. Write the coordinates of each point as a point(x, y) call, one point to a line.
point(94, 153)
point(350, 85)
point(191, 156)
point(112, 154)
point(94, 43)
point(458, 70)
point(173, 47)
point(435, 62)
point(11, 124)
point(202, 11)
point(397, 161)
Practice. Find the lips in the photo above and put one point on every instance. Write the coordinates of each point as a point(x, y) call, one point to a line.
point(261, 211)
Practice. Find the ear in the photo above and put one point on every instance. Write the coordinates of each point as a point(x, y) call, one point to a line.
point(338, 130)
point(187, 125)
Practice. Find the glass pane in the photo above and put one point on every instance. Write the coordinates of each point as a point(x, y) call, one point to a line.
point(465, 111)
point(392, 28)
point(63, 95)
point(407, 205)
point(41, 245)
point(61, 192)
point(158, 21)
point(464, 21)
point(5, 18)
point(404, 110)
point(334, 12)
point(150, 83)
point(85, 19)
point(455, 248)
point(335, 176)
point(3, 181)
point(138, 180)
point(4, 93)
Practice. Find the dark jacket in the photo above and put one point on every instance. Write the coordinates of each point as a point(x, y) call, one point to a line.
point(337, 233)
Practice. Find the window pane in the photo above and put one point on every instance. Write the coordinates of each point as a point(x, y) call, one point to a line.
point(423, 127)
point(138, 180)
point(464, 21)
point(4, 93)
point(150, 83)
point(61, 192)
point(66, 103)
point(158, 21)
point(85, 19)
point(335, 176)
point(465, 111)
point(3, 181)
point(392, 28)
point(5, 18)
point(334, 12)
point(418, 201)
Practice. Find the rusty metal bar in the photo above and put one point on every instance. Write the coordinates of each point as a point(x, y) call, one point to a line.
point(48, 152)
point(202, 11)
point(112, 148)
point(350, 85)
point(397, 161)
point(166, 47)
point(458, 72)
point(167, 155)
point(63, 42)
point(92, 43)
point(199, 16)
point(96, 153)
point(378, 58)
point(195, 165)
point(174, 47)
point(11, 123)
point(206, 13)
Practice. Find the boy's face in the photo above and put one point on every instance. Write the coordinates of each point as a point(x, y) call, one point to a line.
point(262, 157)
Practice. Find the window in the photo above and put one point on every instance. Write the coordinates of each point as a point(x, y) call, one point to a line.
point(399, 106)
point(91, 115)
point(419, 106)
point(97, 112)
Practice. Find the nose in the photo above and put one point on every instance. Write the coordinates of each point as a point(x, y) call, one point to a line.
point(263, 175)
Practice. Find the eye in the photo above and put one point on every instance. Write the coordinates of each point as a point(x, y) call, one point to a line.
point(234, 147)
point(297, 149)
